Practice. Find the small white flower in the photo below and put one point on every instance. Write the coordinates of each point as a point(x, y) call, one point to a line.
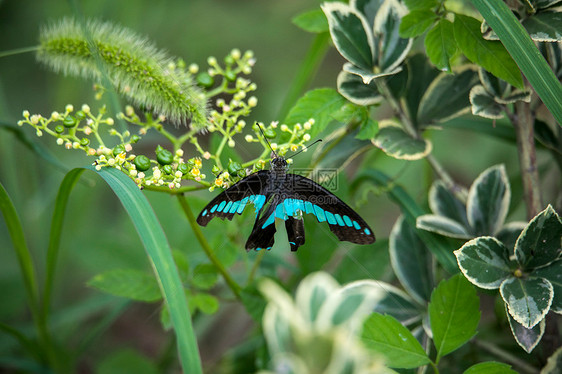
point(235, 53)
point(178, 174)
point(141, 175)
point(212, 61)
point(206, 155)
point(249, 138)
point(110, 121)
point(25, 113)
point(253, 101)
point(193, 68)
point(60, 141)
point(75, 145)
point(231, 143)
point(284, 127)
point(306, 137)
point(69, 108)
point(55, 115)
point(179, 152)
point(86, 108)
point(274, 146)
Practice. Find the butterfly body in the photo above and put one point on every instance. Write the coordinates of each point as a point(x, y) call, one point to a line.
point(277, 194)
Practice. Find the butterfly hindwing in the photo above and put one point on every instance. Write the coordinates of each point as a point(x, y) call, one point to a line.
point(263, 232)
point(295, 232)
point(250, 190)
point(309, 197)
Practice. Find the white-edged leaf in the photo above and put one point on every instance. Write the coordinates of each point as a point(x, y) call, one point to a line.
point(553, 273)
point(387, 336)
point(368, 76)
point(390, 49)
point(444, 203)
point(395, 142)
point(352, 87)
point(554, 363)
point(528, 300)
point(544, 26)
point(313, 293)
point(411, 260)
point(488, 201)
point(351, 34)
point(484, 261)
point(483, 104)
point(527, 338)
point(539, 243)
point(442, 225)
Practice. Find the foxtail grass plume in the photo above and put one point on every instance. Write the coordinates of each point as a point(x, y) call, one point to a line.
point(134, 66)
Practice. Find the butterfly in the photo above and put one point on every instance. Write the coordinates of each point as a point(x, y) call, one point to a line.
point(274, 194)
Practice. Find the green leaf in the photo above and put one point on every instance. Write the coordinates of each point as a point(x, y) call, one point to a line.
point(444, 203)
point(416, 23)
point(488, 201)
point(205, 302)
point(490, 367)
point(528, 300)
point(491, 55)
point(454, 314)
point(553, 273)
point(254, 302)
point(351, 34)
point(484, 105)
point(180, 259)
point(129, 283)
point(554, 363)
point(318, 104)
point(539, 243)
point(312, 21)
point(368, 76)
point(526, 338)
point(205, 276)
point(369, 129)
point(395, 142)
point(544, 26)
point(352, 87)
point(420, 4)
point(390, 49)
point(411, 261)
point(443, 226)
point(387, 336)
point(524, 52)
point(484, 261)
point(126, 361)
point(447, 96)
point(440, 44)
point(160, 255)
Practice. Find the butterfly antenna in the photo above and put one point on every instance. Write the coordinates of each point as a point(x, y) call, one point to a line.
point(267, 141)
point(302, 150)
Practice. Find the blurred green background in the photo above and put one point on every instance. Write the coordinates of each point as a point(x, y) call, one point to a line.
point(98, 236)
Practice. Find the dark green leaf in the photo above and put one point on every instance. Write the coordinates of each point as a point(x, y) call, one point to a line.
point(444, 203)
point(484, 105)
point(447, 96)
point(491, 55)
point(369, 129)
point(488, 201)
point(528, 300)
point(130, 283)
point(544, 4)
point(484, 261)
point(351, 34)
point(312, 21)
point(368, 8)
point(411, 261)
point(553, 273)
point(398, 304)
point(440, 44)
point(387, 336)
point(416, 23)
point(526, 338)
point(454, 314)
point(351, 87)
point(544, 26)
point(546, 136)
point(554, 363)
point(539, 243)
point(443, 226)
point(395, 142)
point(318, 104)
point(390, 49)
point(205, 276)
point(368, 76)
point(490, 367)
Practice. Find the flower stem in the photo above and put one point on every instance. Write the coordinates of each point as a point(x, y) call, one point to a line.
point(235, 287)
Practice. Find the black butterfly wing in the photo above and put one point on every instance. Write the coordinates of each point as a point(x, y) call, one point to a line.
point(263, 232)
point(295, 232)
point(309, 197)
point(250, 190)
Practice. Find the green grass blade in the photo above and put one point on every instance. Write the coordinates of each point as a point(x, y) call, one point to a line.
point(524, 52)
point(160, 254)
point(411, 210)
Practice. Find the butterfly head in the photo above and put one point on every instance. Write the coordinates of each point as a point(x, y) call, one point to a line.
point(279, 164)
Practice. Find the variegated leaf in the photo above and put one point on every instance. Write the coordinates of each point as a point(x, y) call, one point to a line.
point(553, 273)
point(395, 142)
point(488, 201)
point(351, 34)
point(554, 363)
point(352, 87)
point(444, 203)
point(527, 338)
point(368, 8)
point(544, 26)
point(442, 225)
point(484, 262)
point(411, 260)
point(483, 104)
point(528, 300)
point(390, 48)
point(313, 292)
point(367, 76)
point(539, 243)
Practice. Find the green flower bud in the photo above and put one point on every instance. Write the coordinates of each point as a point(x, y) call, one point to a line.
point(119, 148)
point(80, 115)
point(84, 142)
point(229, 60)
point(215, 170)
point(241, 173)
point(142, 163)
point(167, 169)
point(135, 138)
point(234, 167)
point(205, 80)
point(183, 168)
point(230, 75)
point(69, 122)
point(59, 129)
point(163, 156)
point(270, 133)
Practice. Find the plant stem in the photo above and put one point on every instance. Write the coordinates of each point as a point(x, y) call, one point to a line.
point(235, 287)
point(506, 356)
point(522, 121)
